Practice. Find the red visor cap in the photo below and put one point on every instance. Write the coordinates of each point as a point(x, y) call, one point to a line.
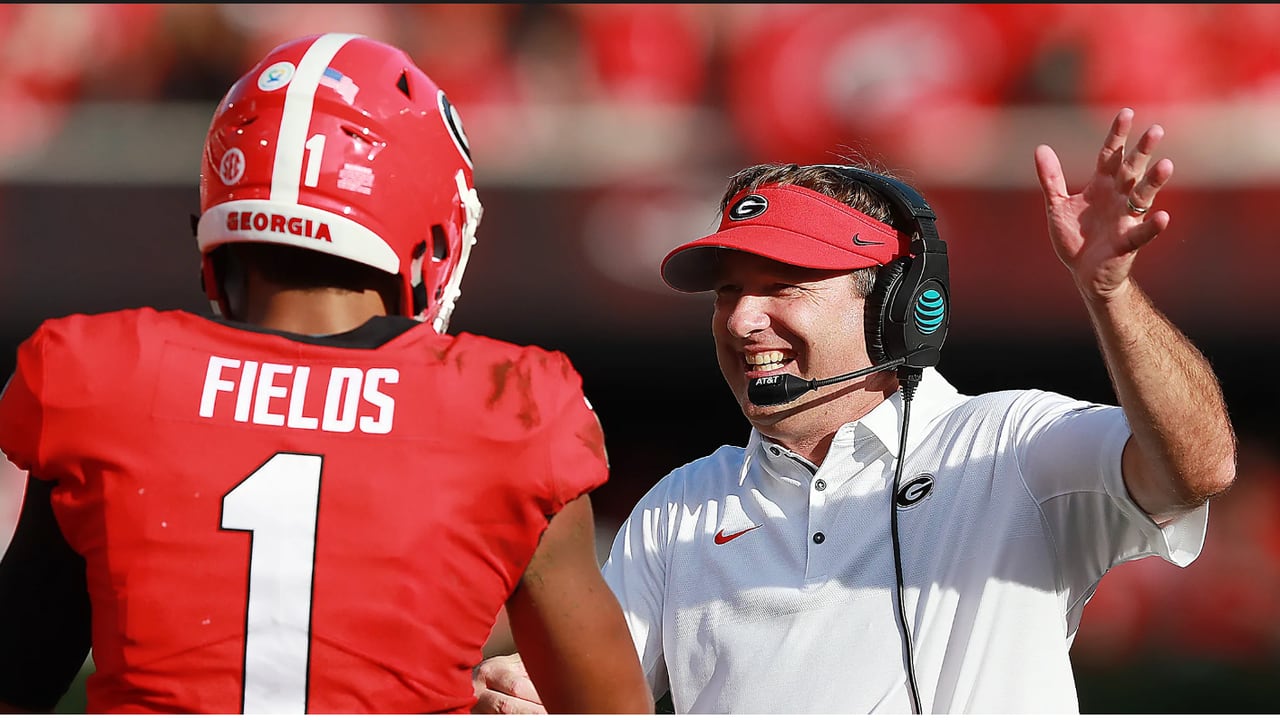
point(789, 224)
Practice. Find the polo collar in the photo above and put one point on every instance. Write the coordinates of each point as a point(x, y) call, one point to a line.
point(933, 396)
point(776, 461)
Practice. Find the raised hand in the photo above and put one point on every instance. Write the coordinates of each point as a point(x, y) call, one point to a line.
point(1097, 232)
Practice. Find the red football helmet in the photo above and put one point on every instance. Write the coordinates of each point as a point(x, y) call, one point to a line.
point(338, 143)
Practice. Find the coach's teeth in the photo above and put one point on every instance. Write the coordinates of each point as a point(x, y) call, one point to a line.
point(766, 361)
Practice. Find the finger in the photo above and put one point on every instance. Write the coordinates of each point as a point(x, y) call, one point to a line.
point(1135, 163)
point(1112, 151)
point(1049, 172)
point(1144, 193)
point(489, 702)
point(523, 688)
point(505, 705)
point(1155, 223)
point(506, 677)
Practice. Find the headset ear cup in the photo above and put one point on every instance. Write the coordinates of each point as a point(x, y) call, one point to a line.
point(876, 312)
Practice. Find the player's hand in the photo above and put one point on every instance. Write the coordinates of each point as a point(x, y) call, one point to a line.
point(503, 687)
point(1098, 232)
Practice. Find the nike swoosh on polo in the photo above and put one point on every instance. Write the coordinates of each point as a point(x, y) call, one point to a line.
point(857, 240)
point(721, 538)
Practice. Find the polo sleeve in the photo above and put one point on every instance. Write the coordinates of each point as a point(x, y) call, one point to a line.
point(1069, 454)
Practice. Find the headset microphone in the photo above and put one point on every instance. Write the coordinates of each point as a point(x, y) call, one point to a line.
point(779, 389)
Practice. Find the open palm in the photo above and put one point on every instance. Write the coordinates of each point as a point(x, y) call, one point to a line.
point(1098, 231)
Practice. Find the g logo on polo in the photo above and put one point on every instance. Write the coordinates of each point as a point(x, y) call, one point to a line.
point(748, 207)
point(914, 492)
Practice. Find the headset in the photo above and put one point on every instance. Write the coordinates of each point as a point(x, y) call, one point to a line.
point(908, 311)
point(906, 320)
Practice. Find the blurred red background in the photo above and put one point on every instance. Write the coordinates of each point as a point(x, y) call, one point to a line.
point(603, 135)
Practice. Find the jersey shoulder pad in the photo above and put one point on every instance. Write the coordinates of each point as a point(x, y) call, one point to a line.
point(532, 385)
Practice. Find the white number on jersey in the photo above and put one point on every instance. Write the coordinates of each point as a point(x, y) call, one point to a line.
point(277, 504)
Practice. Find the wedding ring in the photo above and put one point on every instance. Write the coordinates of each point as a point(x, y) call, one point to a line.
point(1134, 208)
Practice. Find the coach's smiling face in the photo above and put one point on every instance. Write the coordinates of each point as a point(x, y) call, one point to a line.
point(771, 318)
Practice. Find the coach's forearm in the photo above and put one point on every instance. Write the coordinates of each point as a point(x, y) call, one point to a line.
point(1183, 448)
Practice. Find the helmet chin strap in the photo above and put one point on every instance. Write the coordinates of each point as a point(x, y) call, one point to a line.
point(453, 289)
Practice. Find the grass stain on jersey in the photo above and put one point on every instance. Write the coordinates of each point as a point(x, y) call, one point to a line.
point(506, 373)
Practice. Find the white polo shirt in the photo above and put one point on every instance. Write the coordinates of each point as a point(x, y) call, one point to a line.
point(754, 584)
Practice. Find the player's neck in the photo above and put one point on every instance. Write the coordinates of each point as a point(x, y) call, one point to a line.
point(324, 311)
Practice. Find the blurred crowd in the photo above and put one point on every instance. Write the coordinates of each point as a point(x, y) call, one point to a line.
point(794, 79)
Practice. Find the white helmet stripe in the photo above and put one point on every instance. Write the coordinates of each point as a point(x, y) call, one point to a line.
point(300, 98)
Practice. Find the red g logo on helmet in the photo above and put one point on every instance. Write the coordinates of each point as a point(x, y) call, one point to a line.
point(362, 157)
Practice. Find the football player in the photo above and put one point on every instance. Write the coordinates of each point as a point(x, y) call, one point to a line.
point(319, 500)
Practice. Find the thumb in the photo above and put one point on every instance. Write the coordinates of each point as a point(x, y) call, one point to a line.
point(1049, 171)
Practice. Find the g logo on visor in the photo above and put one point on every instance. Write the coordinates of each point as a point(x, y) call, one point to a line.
point(748, 207)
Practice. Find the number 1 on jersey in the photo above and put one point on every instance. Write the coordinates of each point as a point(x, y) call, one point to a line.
point(278, 504)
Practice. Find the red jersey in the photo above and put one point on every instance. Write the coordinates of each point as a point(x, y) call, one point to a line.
point(271, 523)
